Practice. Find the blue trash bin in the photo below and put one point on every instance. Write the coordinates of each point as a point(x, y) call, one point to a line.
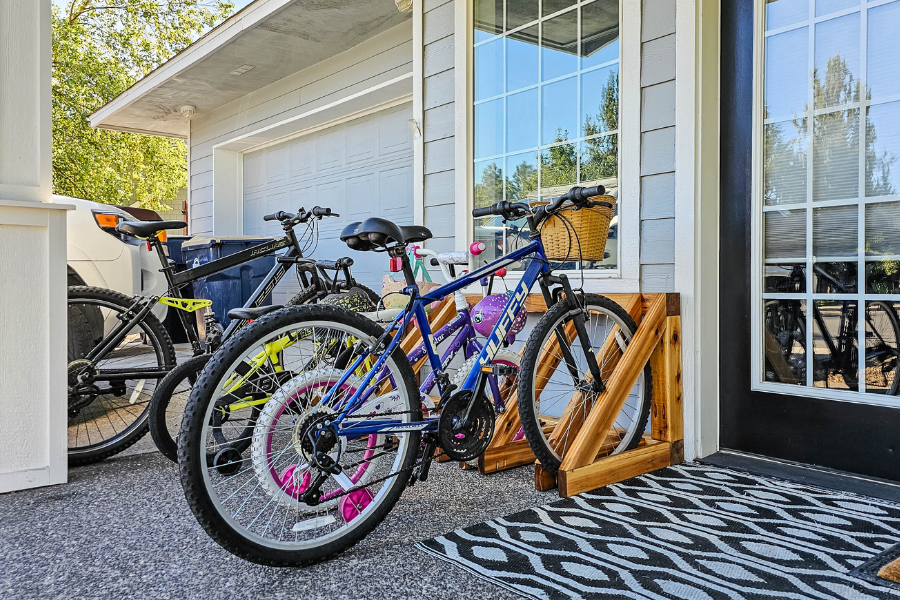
point(232, 287)
point(172, 322)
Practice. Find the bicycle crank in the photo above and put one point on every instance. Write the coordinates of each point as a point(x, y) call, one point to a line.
point(465, 426)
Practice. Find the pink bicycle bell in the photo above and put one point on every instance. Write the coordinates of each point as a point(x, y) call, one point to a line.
point(488, 311)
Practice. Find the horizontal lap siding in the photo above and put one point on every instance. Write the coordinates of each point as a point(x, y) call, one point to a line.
point(438, 125)
point(658, 146)
point(384, 57)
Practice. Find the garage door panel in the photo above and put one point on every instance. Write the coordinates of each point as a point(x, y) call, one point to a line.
point(362, 195)
point(362, 137)
point(254, 171)
point(303, 158)
point(395, 192)
point(329, 150)
point(330, 195)
point(277, 165)
point(359, 169)
point(395, 133)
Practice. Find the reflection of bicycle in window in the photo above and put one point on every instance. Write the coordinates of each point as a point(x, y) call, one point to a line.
point(836, 322)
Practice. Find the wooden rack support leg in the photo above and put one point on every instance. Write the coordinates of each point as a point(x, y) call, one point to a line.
point(658, 339)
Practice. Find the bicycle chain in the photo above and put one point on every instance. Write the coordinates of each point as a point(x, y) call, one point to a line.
point(406, 470)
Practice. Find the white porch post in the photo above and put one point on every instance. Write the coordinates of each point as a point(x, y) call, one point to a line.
point(32, 258)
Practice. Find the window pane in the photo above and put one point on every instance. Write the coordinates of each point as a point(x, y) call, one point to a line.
point(522, 59)
point(785, 234)
point(488, 18)
point(883, 277)
point(489, 69)
point(599, 33)
point(785, 162)
point(883, 150)
point(522, 120)
point(836, 156)
point(558, 170)
point(599, 161)
point(489, 128)
point(837, 62)
point(883, 229)
point(600, 101)
point(785, 279)
point(559, 111)
point(542, 86)
point(835, 232)
point(785, 341)
point(551, 6)
point(559, 45)
point(781, 13)
point(522, 177)
point(519, 12)
point(835, 277)
point(837, 370)
point(883, 69)
point(787, 74)
point(825, 7)
point(488, 183)
point(882, 345)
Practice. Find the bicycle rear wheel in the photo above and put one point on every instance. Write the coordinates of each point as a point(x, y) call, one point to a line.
point(108, 409)
point(168, 402)
point(251, 500)
point(553, 404)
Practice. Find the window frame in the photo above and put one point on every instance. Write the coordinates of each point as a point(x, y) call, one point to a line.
point(626, 276)
point(758, 207)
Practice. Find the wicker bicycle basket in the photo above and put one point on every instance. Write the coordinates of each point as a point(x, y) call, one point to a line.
point(578, 234)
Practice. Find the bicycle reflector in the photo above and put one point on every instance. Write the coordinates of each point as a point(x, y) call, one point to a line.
point(396, 264)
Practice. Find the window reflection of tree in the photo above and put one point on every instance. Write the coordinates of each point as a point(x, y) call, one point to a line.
point(559, 163)
point(836, 148)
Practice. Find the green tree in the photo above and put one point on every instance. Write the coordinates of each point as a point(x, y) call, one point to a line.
point(100, 48)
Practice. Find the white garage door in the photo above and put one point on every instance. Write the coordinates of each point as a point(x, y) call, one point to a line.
point(360, 169)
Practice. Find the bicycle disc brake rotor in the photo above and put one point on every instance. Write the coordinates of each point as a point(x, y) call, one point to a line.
point(465, 440)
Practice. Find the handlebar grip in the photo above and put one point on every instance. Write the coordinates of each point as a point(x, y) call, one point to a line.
point(272, 217)
point(590, 192)
point(487, 211)
point(318, 211)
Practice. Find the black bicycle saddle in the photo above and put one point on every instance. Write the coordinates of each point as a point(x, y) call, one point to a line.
point(147, 228)
point(379, 234)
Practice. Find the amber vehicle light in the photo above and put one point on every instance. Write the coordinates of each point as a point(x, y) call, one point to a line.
point(106, 221)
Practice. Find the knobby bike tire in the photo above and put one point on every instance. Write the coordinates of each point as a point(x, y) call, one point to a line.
point(161, 403)
point(530, 420)
point(157, 337)
point(192, 455)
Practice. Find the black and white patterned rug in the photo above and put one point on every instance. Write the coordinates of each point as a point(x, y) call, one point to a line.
point(687, 532)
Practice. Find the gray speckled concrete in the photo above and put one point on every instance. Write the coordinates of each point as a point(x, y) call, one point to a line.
point(121, 529)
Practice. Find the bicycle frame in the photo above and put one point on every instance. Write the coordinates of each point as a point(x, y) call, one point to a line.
point(536, 269)
point(143, 305)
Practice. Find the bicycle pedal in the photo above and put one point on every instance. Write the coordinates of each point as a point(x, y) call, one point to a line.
point(500, 370)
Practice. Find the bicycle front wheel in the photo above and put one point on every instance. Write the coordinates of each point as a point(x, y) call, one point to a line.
point(108, 398)
point(286, 499)
point(554, 401)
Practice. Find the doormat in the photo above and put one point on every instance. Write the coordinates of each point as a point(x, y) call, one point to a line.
point(882, 569)
point(690, 532)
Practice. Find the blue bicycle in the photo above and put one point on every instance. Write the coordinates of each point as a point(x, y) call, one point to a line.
point(343, 427)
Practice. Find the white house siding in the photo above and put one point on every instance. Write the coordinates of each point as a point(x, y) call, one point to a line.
point(658, 146)
point(375, 61)
point(438, 91)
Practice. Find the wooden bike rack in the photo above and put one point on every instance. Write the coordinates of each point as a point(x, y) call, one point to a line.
point(586, 465)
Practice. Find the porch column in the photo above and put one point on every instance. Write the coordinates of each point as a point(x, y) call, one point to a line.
point(32, 258)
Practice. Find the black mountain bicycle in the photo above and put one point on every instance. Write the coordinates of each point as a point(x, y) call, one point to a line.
point(836, 323)
point(118, 351)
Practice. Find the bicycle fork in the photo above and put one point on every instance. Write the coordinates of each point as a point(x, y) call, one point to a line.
point(578, 321)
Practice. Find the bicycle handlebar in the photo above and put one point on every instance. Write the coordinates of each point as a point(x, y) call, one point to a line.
point(300, 217)
point(511, 211)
